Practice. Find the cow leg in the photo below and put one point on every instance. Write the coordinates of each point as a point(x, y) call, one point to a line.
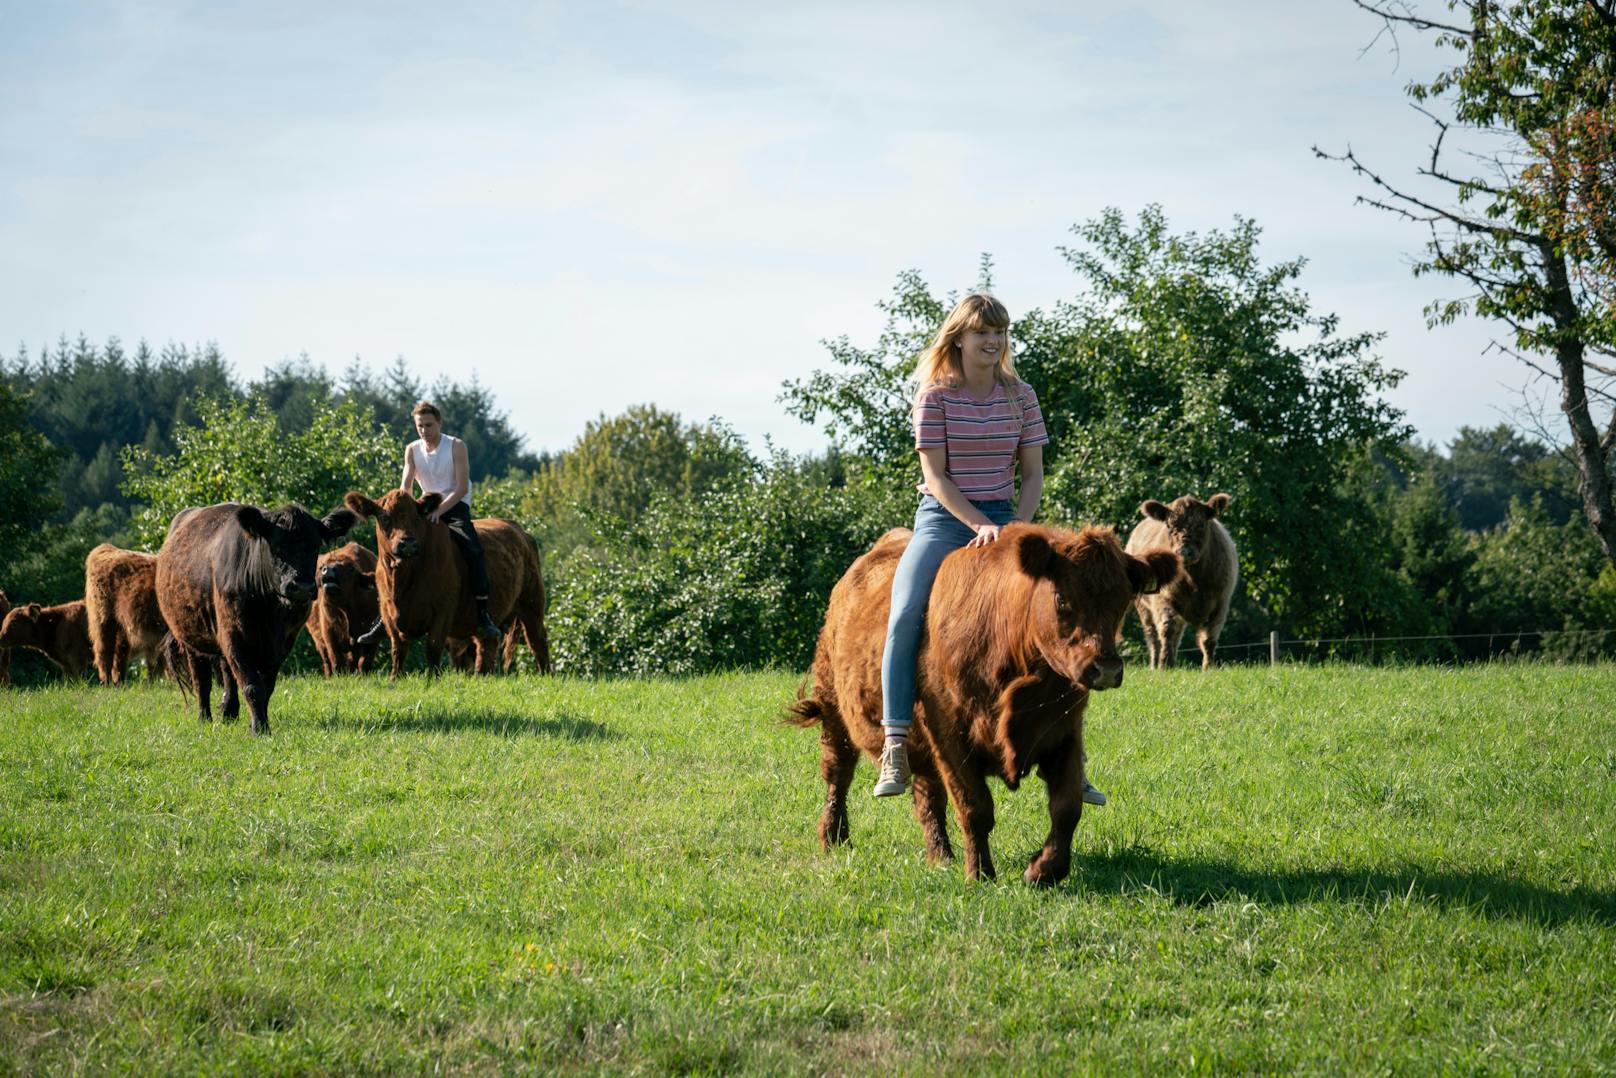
point(973, 805)
point(837, 761)
point(252, 686)
point(538, 639)
point(120, 660)
point(1209, 646)
point(1147, 621)
point(931, 809)
point(1172, 634)
point(1064, 778)
point(485, 655)
point(230, 705)
point(104, 644)
point(434, 655)
point(401, 650)
point(201, 680)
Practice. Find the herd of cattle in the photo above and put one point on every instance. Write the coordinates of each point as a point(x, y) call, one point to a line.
point(234, 585)
point(1018, 633)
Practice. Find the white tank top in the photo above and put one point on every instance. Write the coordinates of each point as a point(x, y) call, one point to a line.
point(434, 470)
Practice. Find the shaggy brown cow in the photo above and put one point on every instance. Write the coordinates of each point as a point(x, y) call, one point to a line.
point(346, 607)
point(424, 587)
point(60, 633)
point(235, 583)
point(120, 600)
point(5, 653)
point(1017, 634)
point(1201, 596)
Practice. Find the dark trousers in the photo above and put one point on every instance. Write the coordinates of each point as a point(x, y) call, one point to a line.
point(458, 519)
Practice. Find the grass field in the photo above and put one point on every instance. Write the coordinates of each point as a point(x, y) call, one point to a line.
point(1336, 870)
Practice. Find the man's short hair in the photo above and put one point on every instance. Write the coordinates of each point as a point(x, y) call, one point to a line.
point(427, 408)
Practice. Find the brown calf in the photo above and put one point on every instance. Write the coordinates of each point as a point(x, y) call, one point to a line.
point(424, 588)
point(1211, 569)
point(60, 633)
point(120, 600)
point(346, 607)
point(1017, 634)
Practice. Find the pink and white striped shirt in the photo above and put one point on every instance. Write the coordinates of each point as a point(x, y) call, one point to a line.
point(982, 438)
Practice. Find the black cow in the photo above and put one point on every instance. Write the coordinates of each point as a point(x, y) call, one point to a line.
point(235, 584)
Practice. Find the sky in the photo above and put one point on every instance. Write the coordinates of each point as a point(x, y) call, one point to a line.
point(594, 205)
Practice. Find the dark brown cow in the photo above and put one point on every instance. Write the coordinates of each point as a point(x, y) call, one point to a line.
point(1211, 569)
point(235, 584)
point(5, 653)
point(120, 600)
point(60, 633)
point(1017, 634)
point(346, 607)
point(424, 587)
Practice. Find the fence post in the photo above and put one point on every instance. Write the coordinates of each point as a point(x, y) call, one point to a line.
point(1273, 648)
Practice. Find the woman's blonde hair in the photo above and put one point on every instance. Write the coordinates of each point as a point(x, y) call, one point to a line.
point(940, 363)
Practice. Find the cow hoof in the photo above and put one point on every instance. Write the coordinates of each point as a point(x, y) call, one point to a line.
point(1040, 873)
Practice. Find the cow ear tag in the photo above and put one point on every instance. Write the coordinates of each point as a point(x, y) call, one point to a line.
point(1151, 584)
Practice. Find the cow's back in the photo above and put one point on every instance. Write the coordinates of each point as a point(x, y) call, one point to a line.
point(847, 662)
point(199, 542)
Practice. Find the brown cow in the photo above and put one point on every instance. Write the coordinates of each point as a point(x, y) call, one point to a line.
point(235, 584)
point(5, 653)
point(346, 607)
point(424, 587)
point(1201, 596)
point(120, 600)
point(1017, 634)
point(60, 633)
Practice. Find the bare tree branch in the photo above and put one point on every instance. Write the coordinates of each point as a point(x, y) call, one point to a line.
point(1485, 228)
point(1409, 18)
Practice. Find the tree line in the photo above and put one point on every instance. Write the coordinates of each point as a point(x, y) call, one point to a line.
point(1182, 363)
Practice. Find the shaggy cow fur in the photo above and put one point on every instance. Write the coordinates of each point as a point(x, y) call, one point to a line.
point(235, 584)
point(1211, 569)
point(1017, 634)
point(346, 607)
point(120, 600)
point(60, 633)
point(424, 588)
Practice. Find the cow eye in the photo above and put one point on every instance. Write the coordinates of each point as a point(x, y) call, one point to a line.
point(1062, 604)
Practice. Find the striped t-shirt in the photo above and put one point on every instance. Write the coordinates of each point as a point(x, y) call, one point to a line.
point(982, 438)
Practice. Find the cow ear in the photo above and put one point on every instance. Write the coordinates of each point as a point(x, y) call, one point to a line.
point(1153, 509)
point(336, 524)
point(1033, 552)
point(32, 610)
point(1218, 503)
point(360, 504)
point(367, 581)
point(254, 522)
point(430, 502)
point(1153, 570)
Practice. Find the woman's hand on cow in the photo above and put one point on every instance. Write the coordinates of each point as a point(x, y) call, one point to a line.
point(985, 534)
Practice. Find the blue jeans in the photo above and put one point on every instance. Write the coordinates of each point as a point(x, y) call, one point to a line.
point(938, 533)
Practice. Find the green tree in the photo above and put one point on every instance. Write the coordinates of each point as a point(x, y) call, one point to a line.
point(238, 451)
point(25, 457)
point(1519, 197)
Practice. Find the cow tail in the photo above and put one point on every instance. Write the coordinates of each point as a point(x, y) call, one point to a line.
point(179, 667)
point(805, 710)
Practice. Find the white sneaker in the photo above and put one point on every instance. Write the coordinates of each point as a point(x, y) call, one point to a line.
point(1091, 796)
point(894, 778)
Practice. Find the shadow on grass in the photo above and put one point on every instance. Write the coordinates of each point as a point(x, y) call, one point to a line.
point(1201, 882)
point(448, 719)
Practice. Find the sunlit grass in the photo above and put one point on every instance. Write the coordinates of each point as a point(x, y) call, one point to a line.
point(1327, 869)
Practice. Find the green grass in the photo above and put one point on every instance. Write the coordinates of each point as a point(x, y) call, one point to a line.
point(1328, 870)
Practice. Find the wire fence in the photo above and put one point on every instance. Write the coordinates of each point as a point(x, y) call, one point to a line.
point(1545, 643)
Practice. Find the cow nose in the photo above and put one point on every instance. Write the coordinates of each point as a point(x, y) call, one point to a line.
point(301, 592)
point(1188, 551)
point(405, 547)
point(1104, 673)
